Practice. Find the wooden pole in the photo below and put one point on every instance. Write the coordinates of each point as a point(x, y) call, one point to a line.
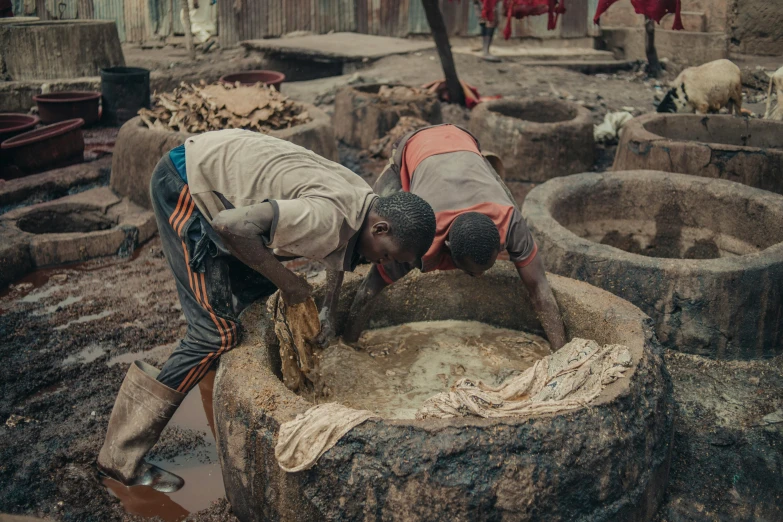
point(188, 31)
point(653, 64)
point(171, 19)
point(441, 37)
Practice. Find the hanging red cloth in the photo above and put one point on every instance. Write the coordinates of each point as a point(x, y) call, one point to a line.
point(472, 96)
point(654, 9)
point(521, 8)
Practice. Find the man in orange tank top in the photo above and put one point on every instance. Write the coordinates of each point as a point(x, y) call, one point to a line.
point(476, 221)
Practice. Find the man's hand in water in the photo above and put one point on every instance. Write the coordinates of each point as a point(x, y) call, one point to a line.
point(327, 333)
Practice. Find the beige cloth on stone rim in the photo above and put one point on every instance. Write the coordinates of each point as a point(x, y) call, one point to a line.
point(303, 440)
point(568, 379)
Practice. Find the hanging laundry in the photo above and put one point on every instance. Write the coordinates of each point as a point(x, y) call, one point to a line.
point(653, 9)
point(521, 8)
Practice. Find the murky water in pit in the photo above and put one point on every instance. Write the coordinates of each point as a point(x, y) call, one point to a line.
point(397, 368)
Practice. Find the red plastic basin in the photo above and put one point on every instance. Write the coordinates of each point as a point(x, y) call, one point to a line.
point(272, 78)
point(67, 105)
point(46, 148)
point(12, 123)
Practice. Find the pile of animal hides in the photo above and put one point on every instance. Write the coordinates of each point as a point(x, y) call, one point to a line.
point(200, 108)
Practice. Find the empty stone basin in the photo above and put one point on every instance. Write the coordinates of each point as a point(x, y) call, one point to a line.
point(704, 258)
point(362, 115)
point(608, 461)
point(537, 138)
point(90, 224)
point(747, 151)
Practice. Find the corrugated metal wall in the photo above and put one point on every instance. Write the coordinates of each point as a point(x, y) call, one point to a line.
point(111, 10)
point(140, 20)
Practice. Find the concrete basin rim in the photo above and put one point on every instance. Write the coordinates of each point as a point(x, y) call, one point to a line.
point(582, 115)
point(627, 316)
point(538, 202)
point(636, 131)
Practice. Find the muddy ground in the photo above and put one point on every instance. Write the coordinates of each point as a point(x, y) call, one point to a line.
point(61, 328)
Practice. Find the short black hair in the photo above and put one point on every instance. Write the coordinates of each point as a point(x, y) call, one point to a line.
point(474, 236)
point(411, 219)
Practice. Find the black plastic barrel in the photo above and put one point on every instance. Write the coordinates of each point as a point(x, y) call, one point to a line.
point(125, 90)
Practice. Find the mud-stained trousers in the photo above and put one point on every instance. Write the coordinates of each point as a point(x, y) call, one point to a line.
point(213, 286)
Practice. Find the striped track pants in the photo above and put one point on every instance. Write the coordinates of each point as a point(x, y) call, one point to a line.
point(205, 292)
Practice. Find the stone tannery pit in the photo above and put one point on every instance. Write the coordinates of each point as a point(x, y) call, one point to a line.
point(608, 461)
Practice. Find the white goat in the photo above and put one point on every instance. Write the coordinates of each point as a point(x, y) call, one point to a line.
point(776, 81)
point(706, 88)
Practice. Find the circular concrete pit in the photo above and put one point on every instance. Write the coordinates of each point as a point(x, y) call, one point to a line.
point(139, 148)
point(702, 257)
point(747, 151)
point(90, 224)
point(536, 138)
point(608, 461)
point(362, 115)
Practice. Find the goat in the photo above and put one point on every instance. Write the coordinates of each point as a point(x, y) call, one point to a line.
point(706, 88)
point(776, 81)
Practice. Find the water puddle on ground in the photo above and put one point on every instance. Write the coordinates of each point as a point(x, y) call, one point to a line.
point(87, 355)
point(85, 319)
point(68, 301)
point(203, 480)
point(128, 358)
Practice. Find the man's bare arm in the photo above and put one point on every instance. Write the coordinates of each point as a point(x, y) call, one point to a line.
point(328, 315)
point(242, 230)
point(534, 278)
point(370, 287)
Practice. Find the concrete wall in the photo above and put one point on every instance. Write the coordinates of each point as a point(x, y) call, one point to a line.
point(681, 47)
point(756, 27)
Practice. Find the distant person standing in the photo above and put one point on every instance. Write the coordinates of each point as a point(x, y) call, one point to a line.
point(6, 9)
point(487, 14)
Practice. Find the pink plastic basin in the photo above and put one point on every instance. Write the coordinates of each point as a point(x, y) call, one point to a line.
point(61, 106)
point(46, 148)
point(12, 123)
point(273, 78)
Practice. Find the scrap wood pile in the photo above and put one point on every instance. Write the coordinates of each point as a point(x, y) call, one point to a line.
point(200, 108)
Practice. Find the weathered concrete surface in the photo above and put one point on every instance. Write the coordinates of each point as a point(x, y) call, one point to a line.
point(343, 47)
point(53, 184)
point(683, 47)
point(537, 138)
point(757, 27)
point(716, 285)
point(90, 224)
point(58, 49)
point(606, 462)
point(138, 150)
point(361, 115)
point(747, 151)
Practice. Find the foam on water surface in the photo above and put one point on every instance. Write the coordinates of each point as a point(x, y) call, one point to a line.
point(397, 368)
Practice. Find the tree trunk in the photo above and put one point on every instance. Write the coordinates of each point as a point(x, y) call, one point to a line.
point(188, 31)
point(653, 65)
point(438, 27)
